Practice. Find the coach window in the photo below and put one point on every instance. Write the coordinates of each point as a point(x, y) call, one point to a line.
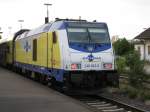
point(34, 50)
point(149, 50)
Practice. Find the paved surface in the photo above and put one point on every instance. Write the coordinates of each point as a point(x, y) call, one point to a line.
point(19, 94)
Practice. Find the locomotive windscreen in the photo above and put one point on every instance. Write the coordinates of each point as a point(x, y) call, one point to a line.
point(88, 35)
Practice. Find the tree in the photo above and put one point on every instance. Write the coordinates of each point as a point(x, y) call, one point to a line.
point(122, 47)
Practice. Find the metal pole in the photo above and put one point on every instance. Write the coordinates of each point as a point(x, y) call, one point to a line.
point(9, 29)
point(47, 12)
point(46, 4)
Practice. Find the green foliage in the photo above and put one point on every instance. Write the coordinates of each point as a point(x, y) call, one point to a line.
point(121, 64)
point(144, 94)
point(122, 47)
point(136, 74)
point(132, 92)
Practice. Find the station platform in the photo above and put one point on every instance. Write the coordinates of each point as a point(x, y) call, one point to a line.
point(19, 94)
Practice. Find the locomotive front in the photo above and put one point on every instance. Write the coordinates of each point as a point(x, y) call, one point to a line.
point(88, 56)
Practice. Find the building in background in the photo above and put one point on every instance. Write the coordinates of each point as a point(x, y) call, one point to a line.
point(115, 38)
point(142, 44)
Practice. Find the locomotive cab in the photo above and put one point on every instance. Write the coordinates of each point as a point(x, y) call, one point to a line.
point(88, 56)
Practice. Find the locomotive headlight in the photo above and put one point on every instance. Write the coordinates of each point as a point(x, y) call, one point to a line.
point(75, 66)
point(107, 65)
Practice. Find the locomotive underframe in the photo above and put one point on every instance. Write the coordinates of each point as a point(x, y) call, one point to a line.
point(91, 79)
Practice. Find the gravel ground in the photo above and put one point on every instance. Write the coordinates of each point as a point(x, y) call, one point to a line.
point(123, 98)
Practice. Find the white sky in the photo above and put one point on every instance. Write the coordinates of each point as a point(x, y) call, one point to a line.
point(125, 18)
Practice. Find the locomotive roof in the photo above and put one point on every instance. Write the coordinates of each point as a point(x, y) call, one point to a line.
point(44, 28)
point(52, 26)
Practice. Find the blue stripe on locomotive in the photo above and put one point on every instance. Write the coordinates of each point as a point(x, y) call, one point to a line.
point(84, 47)
point(57, 73)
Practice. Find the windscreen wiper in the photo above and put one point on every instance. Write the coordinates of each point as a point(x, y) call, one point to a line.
point(89, 35)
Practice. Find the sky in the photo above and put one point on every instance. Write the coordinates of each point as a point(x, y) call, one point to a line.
point(126, 18)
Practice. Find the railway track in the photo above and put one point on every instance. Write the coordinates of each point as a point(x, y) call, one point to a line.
point(104, 104)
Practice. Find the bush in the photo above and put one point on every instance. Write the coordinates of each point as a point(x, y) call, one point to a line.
point(132, 92)
point(136, 74)
point(121, 64)
point(143, 94)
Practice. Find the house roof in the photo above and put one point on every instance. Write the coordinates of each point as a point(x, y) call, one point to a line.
point(138, 42)
point(144, 35)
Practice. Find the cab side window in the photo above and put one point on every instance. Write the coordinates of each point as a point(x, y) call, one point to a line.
point(54, 37)
point(34, 50)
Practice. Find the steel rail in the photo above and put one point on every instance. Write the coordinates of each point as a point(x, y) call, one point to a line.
point(124, 105)
point(100, 103)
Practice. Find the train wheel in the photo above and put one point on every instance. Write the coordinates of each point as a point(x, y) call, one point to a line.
point(43, 79)
point(52, 82)
point(66, 87)
point(37, 77)
point(113, 79)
